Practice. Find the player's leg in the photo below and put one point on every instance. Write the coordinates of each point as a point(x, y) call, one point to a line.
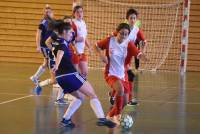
point(83, 65)
point(119, 101)
point(77, 82)
point(73, 107)
point(132, 98)
point(42, 67)
point(137, 63)
point(95, 104)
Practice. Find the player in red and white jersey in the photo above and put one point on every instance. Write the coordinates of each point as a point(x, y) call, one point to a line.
point(136, 35)
point(79, 26)
point(118, 48)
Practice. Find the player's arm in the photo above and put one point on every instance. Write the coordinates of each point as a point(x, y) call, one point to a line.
point(100, 53)
point(135, 52)
point(38, 37)
point(87, 43)
point(99, 48)
point(59, 56)
point(48, 42)
point(142, 41)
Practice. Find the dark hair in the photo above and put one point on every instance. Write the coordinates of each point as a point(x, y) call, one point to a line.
point(130, 12)
point(59, 25)
point(123, 26)
point(76, 8)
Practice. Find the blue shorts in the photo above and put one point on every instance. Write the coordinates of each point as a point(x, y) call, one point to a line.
point(49, 56)
point(45, 52)
point(70, 82)
point(51, 63)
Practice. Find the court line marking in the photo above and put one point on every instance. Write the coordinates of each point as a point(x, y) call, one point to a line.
point(20, 98)
point(21, 94)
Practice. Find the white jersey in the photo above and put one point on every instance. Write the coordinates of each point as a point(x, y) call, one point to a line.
point(133, 34)
point(117, 55)
point(81, 32)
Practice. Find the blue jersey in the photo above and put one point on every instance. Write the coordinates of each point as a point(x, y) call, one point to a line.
point(66, 66)
point(43, 26)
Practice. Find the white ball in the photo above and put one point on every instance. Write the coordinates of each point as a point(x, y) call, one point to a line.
point(126, 121)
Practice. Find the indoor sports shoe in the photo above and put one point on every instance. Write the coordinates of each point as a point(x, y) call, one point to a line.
point(34, 80)
point(67, 123)
point(61, 102)
point(105, 122)
point(37, 90)
point(133, 102)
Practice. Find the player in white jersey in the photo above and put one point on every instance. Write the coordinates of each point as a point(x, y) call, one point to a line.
point(79, 26)
point(119, 50)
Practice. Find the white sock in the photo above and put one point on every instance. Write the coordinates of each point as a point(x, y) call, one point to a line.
point(60, 94)
point(73, 106)
point(39, 72)
point(45, 82)
point(56, 86)
point(97, 108)
point(69, 97)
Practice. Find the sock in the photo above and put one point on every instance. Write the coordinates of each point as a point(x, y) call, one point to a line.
point(112, 112)
point(60, 94)
point(119, 104)
point(97, 108)
point(73, 106)
point(45, 82)
point(39, 72)
point(131, 91)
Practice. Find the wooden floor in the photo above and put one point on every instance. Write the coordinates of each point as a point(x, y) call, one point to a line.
point(168, 104)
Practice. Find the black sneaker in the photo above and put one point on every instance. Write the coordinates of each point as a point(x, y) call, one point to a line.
point(105, 122)
point(67, 123)
point(133, 102)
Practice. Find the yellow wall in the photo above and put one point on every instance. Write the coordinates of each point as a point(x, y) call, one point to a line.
point(19, 20)
point(194, 37)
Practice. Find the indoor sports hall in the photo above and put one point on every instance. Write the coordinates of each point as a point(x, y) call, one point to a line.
point(166, 85)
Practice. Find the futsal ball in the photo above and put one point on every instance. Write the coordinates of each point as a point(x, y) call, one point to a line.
point(126, 121)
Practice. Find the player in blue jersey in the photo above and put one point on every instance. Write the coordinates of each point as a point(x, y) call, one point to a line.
point(71, 81)
point(42, 34)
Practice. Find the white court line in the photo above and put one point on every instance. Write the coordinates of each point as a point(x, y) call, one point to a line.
point(4, 102)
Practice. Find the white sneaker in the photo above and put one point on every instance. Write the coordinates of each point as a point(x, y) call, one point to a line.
point(34, 80)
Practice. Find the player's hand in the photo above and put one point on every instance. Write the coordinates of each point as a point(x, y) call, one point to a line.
point(104, 59)
point(38, 49)
point(54, 69)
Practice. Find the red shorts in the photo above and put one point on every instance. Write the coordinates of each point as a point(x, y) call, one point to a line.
point(77, 58)
point(112, 79)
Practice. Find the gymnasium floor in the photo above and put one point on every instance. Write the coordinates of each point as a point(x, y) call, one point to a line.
point(168, 104)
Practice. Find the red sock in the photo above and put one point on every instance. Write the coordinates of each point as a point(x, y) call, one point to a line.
point(119, 101)
point(112, 112)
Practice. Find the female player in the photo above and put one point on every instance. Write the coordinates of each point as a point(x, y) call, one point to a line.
point(119, 50)
point(81, 40)
point(42, 34)
point(136, 35)
point(72, 82)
